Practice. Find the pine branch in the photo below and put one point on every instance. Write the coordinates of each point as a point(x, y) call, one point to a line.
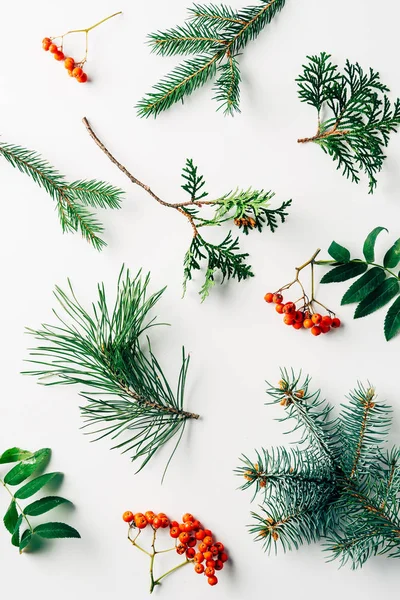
point(360, 116)
point(247, 210)
point(127, 392)
point(214, 33)
point(71, 198)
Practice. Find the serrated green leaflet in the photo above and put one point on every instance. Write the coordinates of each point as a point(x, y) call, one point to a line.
point(339, 253)
point(56, 530)
point(387, 290)
point(369, 244)
point(344, 272)
point(392, 256)
point(364, 286)
point(30, 488)
point(392, 320)
point(44, 505)
point(14, 455)
point(11, 517)
point(27, 467)
point(25, 539)
point(15, 535)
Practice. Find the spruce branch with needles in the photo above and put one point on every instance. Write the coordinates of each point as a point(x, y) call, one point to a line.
point(247, 209)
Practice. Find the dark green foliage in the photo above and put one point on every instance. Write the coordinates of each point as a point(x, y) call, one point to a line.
point(355, 116)
point(216, 35)
point(72, 199)
point(338, 483)
point(247, 209)
point(106, 350)
point(29, 464)
point(378, 284)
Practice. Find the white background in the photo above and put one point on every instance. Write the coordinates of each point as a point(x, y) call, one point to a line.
point(235, 340)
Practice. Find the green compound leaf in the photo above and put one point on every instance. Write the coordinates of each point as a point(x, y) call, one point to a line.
point(387, 290)
point(30, 488)
point(369, 244)
point(44, 505)
point(25, 539)
point(392, 320)
point(392, 256)
point(364, 286)
point(14, 455)
point(15, 535)
point(27, 467)
point(344, 272)
point(11, 517)
point(339, 253)
point(56, 530)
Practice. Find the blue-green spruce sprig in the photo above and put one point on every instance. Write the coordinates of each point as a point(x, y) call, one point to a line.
point(339, 484)
point(21, 521)
point(247, 210)
point(355, 115)
point(214, 36)
point(75, 200)
point(107, 351)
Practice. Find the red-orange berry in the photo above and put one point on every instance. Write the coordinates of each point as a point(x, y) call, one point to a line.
point(219, 565)
point(210, 563)
point(150, 516)
point(316, 319)
point(335, 323)
point(128, 516)
point(188, 526)
point(299, 316)
point(46, 44)
point(77, 72)
point(196, 525)
point(307, 323)
point(223, 557)
point(192, 542)
point(141, 522)
point(316, 330)
point(207, 555)
point(220, 546)
point(200, 535)
point(208, 532)
point(297, 325)
point(277, 298)
point(289, 307)
point(327, 321)
point(46, 40)
point(157, 523)
point(212, 580)
point(174, 532)
point(184, 537)
point(199, 568)
point(208, 540)
point(69, 63)
point(59, 56)
point(268, 297)
point(187, 517)
point(181, 549)
point(82, 79)
point(164, 522)
point(288, 320)
point(209, 572)
point(203, 547)
point(190, 553)
point(53, 48)
point(199, 557)
point(279, 308)
point(174, 524)
point(214, 550)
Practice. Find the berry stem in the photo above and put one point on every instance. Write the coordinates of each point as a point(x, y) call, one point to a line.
point(157, 582)
point(88, 28)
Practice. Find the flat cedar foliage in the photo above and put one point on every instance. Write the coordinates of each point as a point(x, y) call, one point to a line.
point(355, 115)
point(214, 36)
point(339, 484)
point(107, 350)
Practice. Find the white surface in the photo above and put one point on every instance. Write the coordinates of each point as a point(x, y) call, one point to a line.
point(235, 340)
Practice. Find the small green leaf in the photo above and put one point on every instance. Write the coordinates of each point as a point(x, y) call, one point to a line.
point(11, 517)
point(15, 535)
point(14, 455)
point(392, 256)
point(25, 539)
point(392, 320)
point(339, 253)
point(378, 298)
point(56, 530)
point(25, 468)
point(369, 244)
point(44, 505)
point(30, 488)
point(364, 286)
point(344, 272)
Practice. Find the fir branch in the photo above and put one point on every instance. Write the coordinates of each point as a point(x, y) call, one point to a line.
point(72, 199)
point(214, 34)
point(127, 392)
point(360, 115)
point(342, 488)
point(247, 210)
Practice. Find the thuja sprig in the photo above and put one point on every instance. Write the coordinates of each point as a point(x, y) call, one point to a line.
point(214, 36)
point(107, 350)
point(339, 484)
point(355, 116)
point(247, 209)
point(16, 517)
point(74, 201)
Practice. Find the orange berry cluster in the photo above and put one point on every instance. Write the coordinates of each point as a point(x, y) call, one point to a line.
point(209, 556)
point(304, 318)
point(73, 69)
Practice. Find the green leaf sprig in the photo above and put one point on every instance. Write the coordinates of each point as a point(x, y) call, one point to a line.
point(74, 201)
point(355, 115)
point(18, 520)
point(377, 284)
point(215, 36)
point(339, 483)
point(247, 209)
